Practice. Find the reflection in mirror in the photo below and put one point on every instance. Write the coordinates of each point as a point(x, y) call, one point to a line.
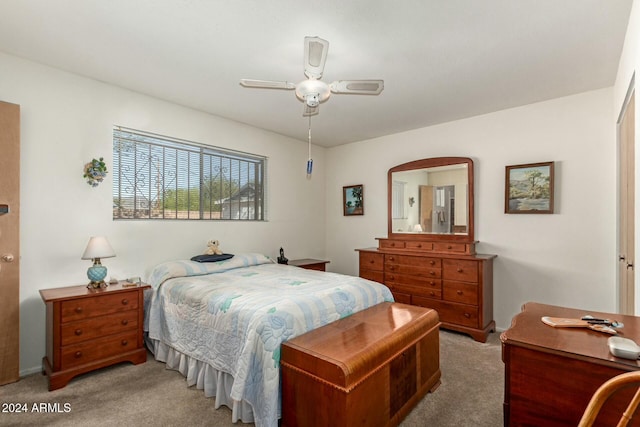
point(430, 200)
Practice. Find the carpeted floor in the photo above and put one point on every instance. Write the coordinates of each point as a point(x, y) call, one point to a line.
point(471, 394)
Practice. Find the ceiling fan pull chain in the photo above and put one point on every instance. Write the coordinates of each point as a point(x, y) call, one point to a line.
point(310, 161)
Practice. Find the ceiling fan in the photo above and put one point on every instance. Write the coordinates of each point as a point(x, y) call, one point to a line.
point(313, 91)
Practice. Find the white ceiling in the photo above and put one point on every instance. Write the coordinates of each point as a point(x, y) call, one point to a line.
point(440, 60)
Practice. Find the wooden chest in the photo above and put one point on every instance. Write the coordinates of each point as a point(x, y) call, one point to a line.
point(369, 369)
point(89, 329)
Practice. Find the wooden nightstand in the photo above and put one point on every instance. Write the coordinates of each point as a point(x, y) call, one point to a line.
point(90, 329)
point(309, 264)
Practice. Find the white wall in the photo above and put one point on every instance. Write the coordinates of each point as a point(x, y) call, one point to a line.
point(65, 121)
point(567, 258)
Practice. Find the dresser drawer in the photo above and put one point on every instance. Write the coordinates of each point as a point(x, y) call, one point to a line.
point(371, 261)
point(458, 269)
point(98, 305)
point(427, 282)
point(425, 272)
point(420, 246)
point(459, 314)
point(450, 247)
point(103, 348)
point(391, 244)
point(466, 293)
point(376, 276)
point(433, 290)
point(418, 261)
point(83, 330)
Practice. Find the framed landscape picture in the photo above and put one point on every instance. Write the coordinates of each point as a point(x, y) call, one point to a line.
point(353, 200)
point(529, 188)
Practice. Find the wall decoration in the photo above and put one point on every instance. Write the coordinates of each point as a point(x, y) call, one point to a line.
point(529, 188)
point(353, 200)
point(95, 171)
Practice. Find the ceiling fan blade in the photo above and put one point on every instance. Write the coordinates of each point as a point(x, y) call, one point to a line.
point(315, 55)
point(363, 87)
point(310, 111)
point(267, 84)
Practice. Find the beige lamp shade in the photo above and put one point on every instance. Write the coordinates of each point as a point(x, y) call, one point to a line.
point(98, 247)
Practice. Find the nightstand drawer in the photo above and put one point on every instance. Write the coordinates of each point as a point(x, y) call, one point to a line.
point(83, 308)
point(89, 351)
point(83, 330)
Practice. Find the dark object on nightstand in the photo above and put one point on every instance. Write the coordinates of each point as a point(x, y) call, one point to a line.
point(90, 329)
point(282, 259)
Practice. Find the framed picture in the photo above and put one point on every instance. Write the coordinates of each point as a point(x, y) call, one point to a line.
point(353, 200)
point(529, 189)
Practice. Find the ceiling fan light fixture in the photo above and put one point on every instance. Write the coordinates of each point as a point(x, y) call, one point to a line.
point(316, 87)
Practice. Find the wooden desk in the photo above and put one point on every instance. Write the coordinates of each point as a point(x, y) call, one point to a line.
point(551, 373)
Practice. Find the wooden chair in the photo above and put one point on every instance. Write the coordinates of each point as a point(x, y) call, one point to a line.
point(605, 391)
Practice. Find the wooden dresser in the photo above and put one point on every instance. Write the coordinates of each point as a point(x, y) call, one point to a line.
point(89, 329)
point(445, 276)
point(368, 369)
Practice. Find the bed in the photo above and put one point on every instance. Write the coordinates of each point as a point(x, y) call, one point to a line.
point(221, 323)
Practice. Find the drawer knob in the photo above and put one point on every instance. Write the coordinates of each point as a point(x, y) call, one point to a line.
point(433, 273)
point(125, 342)
point(125, 301)
point(78, 354)
point(392, 277)
point(459, 270)
point(125, 322)
point(432, 293)
point(371, 261)
point(419, 245)
point(432, 262)
point(449, 247)
point(391, 258)
point(467, 315)
point(78, 310)
point(459, 292)
point(78, 332)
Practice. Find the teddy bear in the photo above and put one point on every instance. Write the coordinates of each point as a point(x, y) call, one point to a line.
point(212, 248)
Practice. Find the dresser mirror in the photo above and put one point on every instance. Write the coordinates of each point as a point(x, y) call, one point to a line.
point(431, 199)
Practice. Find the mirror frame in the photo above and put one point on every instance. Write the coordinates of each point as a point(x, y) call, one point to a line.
point(429, 163)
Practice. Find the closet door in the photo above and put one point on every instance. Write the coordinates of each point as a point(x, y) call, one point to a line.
point(9, 242)
point(626, 241)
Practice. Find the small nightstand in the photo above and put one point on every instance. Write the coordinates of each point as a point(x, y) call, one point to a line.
point(89, 329)
point(309, 264)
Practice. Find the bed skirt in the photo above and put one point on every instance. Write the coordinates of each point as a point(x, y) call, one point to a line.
point(214, 382)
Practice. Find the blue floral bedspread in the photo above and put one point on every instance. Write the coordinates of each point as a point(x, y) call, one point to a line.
point(234, 315)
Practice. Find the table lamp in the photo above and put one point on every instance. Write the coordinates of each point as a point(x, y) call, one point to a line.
point(98, 247)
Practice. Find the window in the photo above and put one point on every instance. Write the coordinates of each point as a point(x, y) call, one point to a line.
point(157, 177)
